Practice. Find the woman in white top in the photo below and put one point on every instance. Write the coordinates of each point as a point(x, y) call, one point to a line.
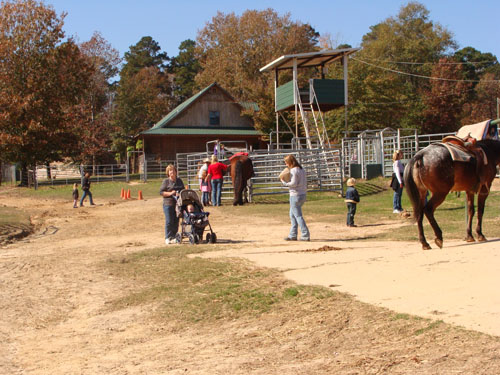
point(298, 190)
point(398, 170)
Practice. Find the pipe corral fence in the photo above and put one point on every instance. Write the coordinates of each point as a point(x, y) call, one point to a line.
point(363, 155)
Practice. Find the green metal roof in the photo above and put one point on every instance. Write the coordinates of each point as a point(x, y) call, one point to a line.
point(179, 109)
point(309, 59)
point(187, 130)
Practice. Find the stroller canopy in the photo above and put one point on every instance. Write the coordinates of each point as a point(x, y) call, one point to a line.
point(188, 196)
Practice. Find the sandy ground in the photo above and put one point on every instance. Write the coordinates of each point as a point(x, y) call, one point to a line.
point(53, 293)
point(458, 284)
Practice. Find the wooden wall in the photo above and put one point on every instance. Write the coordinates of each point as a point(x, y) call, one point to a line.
point(214, 100)
point(165, 147)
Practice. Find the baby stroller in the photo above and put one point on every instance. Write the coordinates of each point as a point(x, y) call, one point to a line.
point(197, 220)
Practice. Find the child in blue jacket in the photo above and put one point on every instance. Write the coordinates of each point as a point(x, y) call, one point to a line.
point(352, 199)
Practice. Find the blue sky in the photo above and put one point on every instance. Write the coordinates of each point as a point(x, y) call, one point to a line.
point(124, 22)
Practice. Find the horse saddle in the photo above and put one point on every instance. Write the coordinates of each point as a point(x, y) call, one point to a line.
point(464, 150)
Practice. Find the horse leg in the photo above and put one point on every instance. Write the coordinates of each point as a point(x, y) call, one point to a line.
point(418, 214)
point(481, 199)
point(430, 207)
point(243, 190)
point(470, 215)
point(421, 237)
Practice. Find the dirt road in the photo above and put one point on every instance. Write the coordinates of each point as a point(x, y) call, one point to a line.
point(53, 292)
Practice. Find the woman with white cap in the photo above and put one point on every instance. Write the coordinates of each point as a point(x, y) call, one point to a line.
point(204, 185)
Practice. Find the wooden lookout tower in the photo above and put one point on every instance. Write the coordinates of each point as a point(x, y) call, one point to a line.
point(309, 103)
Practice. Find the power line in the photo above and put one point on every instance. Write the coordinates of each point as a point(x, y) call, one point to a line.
point(433, 63)
point(422, 76)
point(408, 100)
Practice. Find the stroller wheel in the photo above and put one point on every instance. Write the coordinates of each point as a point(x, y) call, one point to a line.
point(196, 239)
point(178, 237)
point(213, 238)
point(192, 240)
point(208, 238)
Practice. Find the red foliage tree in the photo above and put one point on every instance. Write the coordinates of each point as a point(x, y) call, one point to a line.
point(446, 98)
point(41, 77)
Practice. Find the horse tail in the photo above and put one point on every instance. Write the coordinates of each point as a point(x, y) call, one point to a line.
point(238, 176)
point(251, 171)
point(411, 186)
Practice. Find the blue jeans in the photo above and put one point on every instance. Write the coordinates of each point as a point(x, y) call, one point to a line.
point(296, 203)
point(85, 193)
point(396, 200)
point(351, 211)
point(216, 191)
point(205, 198)
point(171, 222)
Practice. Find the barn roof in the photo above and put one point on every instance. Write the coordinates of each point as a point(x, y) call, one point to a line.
point(309, 59)
point(162, 124)
point(189, 130)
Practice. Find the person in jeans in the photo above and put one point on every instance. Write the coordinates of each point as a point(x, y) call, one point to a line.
point(169, 190)
point(352, 199)
point(398, 170)
point(298, 190)
point(86, 189)
point(216, 176)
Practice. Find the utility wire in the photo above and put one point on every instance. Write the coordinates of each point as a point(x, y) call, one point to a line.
point(408, 100)
point(422, 76)
point(433, 63)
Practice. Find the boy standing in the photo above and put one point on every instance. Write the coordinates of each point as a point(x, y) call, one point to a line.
point(352, 199)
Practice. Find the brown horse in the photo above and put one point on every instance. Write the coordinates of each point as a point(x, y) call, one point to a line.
point(432, 169)
point(241, 171)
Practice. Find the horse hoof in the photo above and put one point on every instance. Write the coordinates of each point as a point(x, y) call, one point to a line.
point(482, 239)
point(426, 246)
point(439, 243)
point(470, 239)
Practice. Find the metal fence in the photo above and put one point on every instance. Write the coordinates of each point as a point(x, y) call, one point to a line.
point(323, 168)
point(376, 147)
point(326, 168)
point(67, 174)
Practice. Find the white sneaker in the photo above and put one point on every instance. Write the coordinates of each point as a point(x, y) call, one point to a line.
point(167, 241)
point(396, 212)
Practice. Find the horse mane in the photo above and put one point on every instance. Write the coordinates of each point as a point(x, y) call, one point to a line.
point(492, 149)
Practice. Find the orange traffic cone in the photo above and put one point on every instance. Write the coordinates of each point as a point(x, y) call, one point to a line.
point(128, 194)
point(140, 195)
point(122, 193)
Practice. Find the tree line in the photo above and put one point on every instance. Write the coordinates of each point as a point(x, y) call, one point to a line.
point(60, 100)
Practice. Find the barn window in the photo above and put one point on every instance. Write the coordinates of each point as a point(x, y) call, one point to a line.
point(214, 118)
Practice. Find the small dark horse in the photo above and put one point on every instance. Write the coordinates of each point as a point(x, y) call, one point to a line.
point(241, 171)
point(432, 169)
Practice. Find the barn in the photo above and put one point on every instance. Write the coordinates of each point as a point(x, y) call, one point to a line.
point(209, 115)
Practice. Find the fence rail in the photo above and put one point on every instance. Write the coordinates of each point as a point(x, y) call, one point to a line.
point(326, 168)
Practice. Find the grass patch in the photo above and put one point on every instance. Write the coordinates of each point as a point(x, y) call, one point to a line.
point(13, 217)
point(433, 325)
point(194, 289)
point(375, 207)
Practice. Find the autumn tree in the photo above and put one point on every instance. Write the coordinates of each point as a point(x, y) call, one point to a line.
point(388, 74)
point(485, 106)
point(232, 49)
point(144, 93)
point(41, 76)
point(444, 102)
point(92, 115)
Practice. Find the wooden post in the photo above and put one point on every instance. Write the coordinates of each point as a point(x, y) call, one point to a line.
point(346, 91)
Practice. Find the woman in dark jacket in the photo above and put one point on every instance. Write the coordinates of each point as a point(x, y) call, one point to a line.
point(169, 190)
point(86, 189)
